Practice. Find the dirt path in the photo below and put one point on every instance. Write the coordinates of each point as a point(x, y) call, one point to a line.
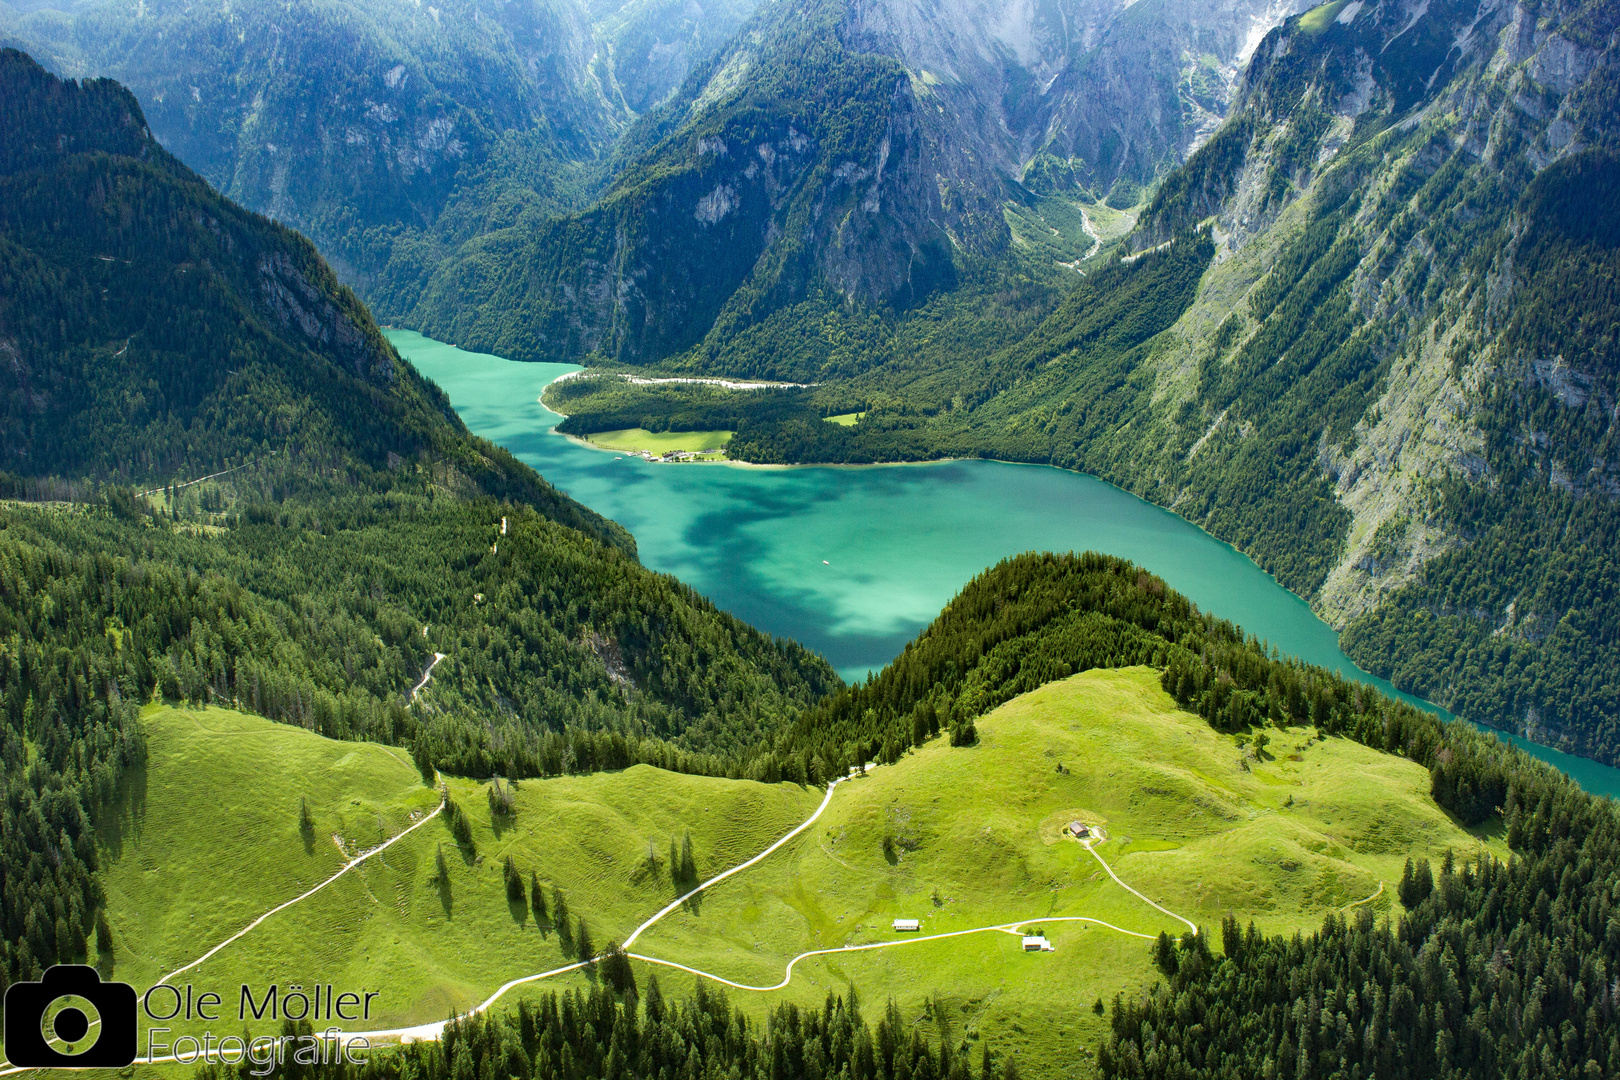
point(426, 675)
point(200, 479)
point(1190, 924)
point(1366, 899)
point(1006, 928)
point(350, 865)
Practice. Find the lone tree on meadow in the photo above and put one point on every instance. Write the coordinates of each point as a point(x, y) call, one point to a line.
point(559, 915)
point(514, 882)
point(689, 873)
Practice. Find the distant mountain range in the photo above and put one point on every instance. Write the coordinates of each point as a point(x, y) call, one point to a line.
point(426, 149)
point(387, 133)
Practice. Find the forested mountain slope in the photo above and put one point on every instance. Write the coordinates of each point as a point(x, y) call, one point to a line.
point(851, 158)
point(1368, 335)
point(388, 133)
point(1397, 383)
point(153, 331)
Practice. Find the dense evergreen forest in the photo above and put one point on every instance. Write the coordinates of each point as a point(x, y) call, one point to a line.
point(620, 1030)
point(157, 335)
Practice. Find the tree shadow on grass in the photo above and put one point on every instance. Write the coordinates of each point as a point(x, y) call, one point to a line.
point(130, 816)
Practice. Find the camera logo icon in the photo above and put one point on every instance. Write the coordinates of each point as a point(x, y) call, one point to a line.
point(70, 1019)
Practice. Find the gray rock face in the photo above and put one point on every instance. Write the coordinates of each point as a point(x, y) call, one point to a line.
point(945, 110)
point(1111, 89)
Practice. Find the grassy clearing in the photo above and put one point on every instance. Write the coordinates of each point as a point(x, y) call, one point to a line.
point(848, 419)
point(1319, 18)
point(1109, 224)
point(638, 440)
point(973, 838)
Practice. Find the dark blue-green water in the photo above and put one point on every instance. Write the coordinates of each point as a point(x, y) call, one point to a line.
point(854, 561)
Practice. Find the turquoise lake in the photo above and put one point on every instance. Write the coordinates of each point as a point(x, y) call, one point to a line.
point(854, 561)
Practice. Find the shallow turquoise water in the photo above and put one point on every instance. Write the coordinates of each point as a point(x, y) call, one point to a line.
point(854, 561)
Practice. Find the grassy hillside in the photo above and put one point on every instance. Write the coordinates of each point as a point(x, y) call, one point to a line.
point(977, 840)
point(213, 839)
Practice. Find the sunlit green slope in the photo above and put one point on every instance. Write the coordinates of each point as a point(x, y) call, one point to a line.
point(960, 838)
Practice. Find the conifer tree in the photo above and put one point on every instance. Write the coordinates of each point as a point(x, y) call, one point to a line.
point(582, 941)
point(689, 872)
point(422, 755)
point(514, 882)
point(654, 1001)
point(559, 914)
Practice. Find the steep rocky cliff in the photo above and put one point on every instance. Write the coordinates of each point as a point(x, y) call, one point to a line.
point(865, 150)
point(1413, 306)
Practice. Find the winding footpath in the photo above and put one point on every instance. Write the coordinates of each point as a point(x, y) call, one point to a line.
point(1190, 924)
point(7, 1069)
point(350, 865)
point(1005, 928)
point(426, 675)
point(435, 1030)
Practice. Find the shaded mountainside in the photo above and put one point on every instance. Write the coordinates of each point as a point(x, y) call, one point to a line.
point(848, 161)
point(150, 330)
point(389, 134)
point(1367, 334)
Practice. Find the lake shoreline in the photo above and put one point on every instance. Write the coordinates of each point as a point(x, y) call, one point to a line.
point(855, 563)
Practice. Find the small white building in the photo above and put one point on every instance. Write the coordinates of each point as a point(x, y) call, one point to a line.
point(1036, 943)
point(908, 925)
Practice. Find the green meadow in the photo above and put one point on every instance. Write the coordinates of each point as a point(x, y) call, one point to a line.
point(637, 440)
point(969, 837)
point(956, 837)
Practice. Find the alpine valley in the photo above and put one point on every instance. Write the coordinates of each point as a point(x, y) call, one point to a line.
point(304, 684)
